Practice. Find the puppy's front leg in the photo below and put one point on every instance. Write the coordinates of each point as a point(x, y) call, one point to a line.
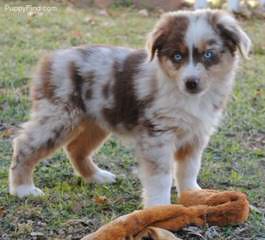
point(155, 166)
point(188, 163)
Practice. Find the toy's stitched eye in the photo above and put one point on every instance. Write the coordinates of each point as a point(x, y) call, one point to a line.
point(208, 55)
point(177, 57)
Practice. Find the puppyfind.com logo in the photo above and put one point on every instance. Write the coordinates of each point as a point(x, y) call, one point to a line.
point(30, 10)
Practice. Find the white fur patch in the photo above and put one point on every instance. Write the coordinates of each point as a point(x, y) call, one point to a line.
point(157, 190)
point(102, 176)
point(25, 190)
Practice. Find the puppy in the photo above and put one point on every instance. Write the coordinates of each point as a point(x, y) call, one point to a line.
point(168, 99)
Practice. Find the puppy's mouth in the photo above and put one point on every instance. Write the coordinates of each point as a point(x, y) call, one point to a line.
point(194, 91)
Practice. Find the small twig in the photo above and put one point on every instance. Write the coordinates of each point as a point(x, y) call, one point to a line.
point(247, 186)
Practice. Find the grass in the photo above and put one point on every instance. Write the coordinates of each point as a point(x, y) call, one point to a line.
point(235, 158)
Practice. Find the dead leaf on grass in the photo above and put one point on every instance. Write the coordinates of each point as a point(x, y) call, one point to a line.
point(37, 235)
point(103, 12)
point(255, 209)
point(194, 231)
point(90, 20)
point(77, 34)
point(77, 207)
point(100, 200)
point(23, 228)
point(7, 133)
point(2, 212)
point(143, 13)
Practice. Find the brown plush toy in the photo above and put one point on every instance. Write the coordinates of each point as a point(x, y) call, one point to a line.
point(203, 207)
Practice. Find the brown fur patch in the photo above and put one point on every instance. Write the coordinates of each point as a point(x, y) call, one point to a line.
point(86, 81)
point(82, 147)
point(168, 38)
point(106, 90)
point(46, 88)
point(127, 109)
point(89, 79)
point(77, 80)
point(203, 45)
point(230, 38)
point(46, 75)
point(184, 152)
point(89, 93)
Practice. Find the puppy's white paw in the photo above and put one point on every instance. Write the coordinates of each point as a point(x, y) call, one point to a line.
point(192, 187)
point(103, 176)
point(156, 201)
point(26, 190)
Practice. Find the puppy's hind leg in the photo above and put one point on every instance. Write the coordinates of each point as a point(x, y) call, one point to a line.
point(81, 149)
point(38, 138)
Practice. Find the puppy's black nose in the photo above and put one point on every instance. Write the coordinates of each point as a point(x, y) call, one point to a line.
point(192, 84)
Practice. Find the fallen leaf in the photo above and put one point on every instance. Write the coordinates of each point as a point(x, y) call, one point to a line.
point(2, 212)
point(37, 234)
point(90, 20)
point(103, 12)
point(23, 228)
point(101, 200)
point(77, 207)
point(143, 12)
point(7, 133)
point(255, 209)
point(77, 34)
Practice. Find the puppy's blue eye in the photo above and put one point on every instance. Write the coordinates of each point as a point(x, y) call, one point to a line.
point(208, 55)
point(177, 57)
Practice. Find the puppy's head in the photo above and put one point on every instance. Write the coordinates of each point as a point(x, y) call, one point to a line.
point(197, 49)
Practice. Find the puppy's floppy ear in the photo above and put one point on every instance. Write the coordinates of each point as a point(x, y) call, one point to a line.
point(155, 41)
point(232, 34)
point(157, 37)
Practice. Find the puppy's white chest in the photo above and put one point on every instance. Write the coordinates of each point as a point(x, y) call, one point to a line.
point(188, 117)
